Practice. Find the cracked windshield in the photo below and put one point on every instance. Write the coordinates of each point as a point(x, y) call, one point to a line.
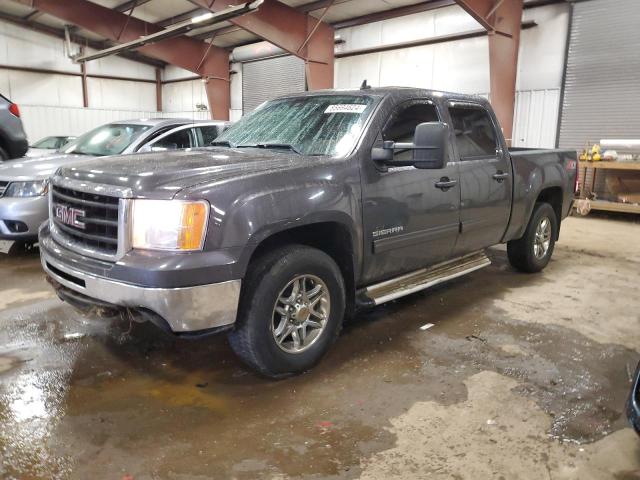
point(312, 125)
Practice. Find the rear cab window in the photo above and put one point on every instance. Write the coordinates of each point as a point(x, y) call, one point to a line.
point(474, 130)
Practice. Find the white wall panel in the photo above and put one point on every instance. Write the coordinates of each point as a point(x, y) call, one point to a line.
point(120, 67)
point(542, 48)
point(26, 48)
point(120, 94)
point(461, 66)
point(536, 118)
point(175, 73)
point(39, 89)
point(183, 96)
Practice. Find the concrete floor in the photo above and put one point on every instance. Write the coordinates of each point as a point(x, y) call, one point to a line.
point(522, 376)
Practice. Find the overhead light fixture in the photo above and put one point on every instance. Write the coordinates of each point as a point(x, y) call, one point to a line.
point(202, 18)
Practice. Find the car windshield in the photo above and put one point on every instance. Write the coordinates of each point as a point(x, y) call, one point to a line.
point(109, 139)
point(47, 142)
point(311, 125)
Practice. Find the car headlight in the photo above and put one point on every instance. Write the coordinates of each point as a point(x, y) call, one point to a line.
point(169, 224)
point(27, 189)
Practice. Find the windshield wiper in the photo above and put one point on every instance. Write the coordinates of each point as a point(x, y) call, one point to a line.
point(221, 143)
point(280, 146)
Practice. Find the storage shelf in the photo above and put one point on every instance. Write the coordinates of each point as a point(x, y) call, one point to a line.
point(614, 206)
point(589, 186)
point(611, 165)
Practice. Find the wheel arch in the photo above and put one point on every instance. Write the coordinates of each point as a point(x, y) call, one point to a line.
point(331, 234)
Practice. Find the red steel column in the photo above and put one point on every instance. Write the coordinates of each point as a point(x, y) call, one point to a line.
point(194, 55)
point(502, 19)
point(296, 32)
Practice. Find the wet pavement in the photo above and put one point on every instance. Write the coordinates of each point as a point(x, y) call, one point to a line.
point(521, 376)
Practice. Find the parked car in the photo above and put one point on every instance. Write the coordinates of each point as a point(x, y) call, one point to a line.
point(633, 403)
point(13, 140)
point(311, 207)
point(48, 145)
point(24, 182)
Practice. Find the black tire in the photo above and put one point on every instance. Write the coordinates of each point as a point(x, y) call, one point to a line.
point(521, 252)
point(253, 340)
point(3, 155)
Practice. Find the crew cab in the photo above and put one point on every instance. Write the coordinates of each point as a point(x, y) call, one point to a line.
point(305, 210)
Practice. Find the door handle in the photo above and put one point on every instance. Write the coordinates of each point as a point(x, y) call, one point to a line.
point(445, 184)
point(499, 176)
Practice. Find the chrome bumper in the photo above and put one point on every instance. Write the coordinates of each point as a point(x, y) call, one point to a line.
point(187, 309)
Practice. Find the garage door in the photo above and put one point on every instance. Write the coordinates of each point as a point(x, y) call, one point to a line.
point(602, 86)
point(266, 79)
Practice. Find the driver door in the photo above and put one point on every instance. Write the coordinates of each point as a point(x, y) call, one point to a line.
point(409, 221)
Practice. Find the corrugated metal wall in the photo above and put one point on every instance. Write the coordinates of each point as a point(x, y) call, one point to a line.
point(266, 79)
point(602, 86)
point(536, 118)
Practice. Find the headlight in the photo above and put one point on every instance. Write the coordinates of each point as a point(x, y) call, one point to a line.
point(169, 224)
point(27, 189)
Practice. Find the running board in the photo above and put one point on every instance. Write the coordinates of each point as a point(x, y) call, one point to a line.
point(424, 278)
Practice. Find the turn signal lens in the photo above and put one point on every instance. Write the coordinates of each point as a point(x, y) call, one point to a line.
point(169, 224)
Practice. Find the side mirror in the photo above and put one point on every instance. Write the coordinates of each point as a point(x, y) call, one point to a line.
point(430, 145)
point(430, 148)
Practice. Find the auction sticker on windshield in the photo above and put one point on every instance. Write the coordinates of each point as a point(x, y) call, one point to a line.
point(346, 108)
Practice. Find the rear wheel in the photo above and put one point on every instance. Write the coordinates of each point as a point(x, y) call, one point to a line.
point(291, 311)
point(532, 252)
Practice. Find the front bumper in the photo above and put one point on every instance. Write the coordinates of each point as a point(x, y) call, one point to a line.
point(633, 403)
point(20, 218)
point(185, 309)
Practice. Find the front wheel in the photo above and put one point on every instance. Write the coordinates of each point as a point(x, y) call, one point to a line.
point(532, 252)
point(292, 307)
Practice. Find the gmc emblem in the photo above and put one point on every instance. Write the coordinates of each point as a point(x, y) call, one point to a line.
point(70, 215)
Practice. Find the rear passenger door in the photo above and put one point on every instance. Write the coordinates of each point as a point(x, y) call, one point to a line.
point(485, 177)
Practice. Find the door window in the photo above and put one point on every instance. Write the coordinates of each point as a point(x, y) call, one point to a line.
point(402, 125)
point(474, 131)
point(207, 134)
point(179, 139)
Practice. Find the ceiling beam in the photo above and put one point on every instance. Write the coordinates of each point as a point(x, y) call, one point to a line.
point(79, 39)
point(299, 34)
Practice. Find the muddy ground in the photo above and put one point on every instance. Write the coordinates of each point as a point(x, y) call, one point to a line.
point(521, 376)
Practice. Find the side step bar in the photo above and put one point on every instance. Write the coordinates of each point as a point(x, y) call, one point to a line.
point(420, 279)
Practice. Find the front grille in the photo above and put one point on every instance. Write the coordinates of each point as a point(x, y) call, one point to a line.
point(3, 187)
point(97, 213)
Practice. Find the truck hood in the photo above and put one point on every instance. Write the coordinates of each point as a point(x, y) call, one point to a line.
point(38, 168)
point(163, 174)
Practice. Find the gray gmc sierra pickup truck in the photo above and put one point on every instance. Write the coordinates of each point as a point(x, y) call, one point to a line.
point(305, 210)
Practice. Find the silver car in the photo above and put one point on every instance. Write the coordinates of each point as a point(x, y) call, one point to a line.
point(24, 182)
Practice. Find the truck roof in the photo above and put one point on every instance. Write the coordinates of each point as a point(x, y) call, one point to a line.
point(394, 91)
point(390, 91)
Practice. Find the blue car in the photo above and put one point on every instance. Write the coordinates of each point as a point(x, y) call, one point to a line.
point(633, 404)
